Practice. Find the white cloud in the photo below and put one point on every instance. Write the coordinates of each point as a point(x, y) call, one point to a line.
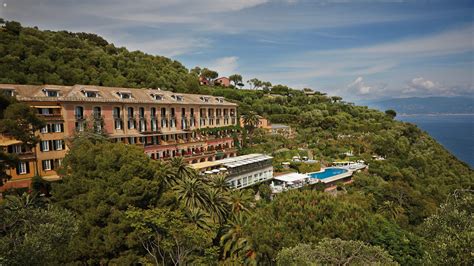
point(380, 60)
point(169, 47)
point(359, 86)
point(225, 66)
point(421, 83)
point(422, 86)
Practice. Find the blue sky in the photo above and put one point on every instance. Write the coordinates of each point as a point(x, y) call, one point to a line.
point(360, 50)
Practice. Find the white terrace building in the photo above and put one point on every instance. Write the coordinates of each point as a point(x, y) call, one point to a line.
point(243, 171)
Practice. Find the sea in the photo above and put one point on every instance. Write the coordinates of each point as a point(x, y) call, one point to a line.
point(454, 132)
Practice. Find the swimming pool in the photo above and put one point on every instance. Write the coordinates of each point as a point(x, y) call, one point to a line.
point(328, 172)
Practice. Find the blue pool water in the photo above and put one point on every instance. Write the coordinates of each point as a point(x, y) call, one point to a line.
point(328, 172)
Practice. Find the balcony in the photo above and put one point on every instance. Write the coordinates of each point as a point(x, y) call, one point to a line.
point(57, 116)
point(26, 155)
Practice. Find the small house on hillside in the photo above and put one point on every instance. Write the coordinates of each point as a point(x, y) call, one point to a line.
point(204, 81)
point(275, 129)
point(222, 81)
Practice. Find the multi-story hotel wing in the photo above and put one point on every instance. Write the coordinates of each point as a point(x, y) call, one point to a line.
point(165, 124)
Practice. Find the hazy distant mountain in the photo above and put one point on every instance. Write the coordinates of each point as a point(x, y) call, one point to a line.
point(428, 105)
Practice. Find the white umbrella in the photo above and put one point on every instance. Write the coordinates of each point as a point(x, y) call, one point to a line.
point(222, 169)
point(215, 171)
point(208, 172)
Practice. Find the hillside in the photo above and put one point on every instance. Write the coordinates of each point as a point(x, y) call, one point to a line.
point(120, 201)
point(31, 56)
point(427, 105)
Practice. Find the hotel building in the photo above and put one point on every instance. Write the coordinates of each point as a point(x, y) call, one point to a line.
point(242, 171)
point(165, 124)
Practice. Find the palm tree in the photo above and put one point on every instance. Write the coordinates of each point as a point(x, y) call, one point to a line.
point(219, 181)
point(181, 170)
point(165, 173)
point(251, 120)
point(24, 201)
point(234, 242)
point(391, 210)
point(240, 200)
point(192, 193)
point(198, 217)
point(218, 205)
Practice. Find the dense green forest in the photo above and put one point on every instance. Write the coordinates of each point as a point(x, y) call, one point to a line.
point(115, 205)
point(32, 56)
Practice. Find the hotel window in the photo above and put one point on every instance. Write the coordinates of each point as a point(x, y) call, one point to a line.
point(125, 95)
point(91, 94)
point(51, 93)
point(153, 112)
point(23, 168)
point(131, 122)
point(142, 125)
point(44, 145)
point(178, 98)
point(204, 99)
point(130, 111)
point(157, 97)
point(44, 129)
point(7, 92)
point(116, 112)
point(141, 112)
point(16, 148)
point(80, 126)
point(97, 111)
point(131, 140)
point(46, 165)
point(57, 127)
point(118, 124)
point(58, 144)
point(153, 125)
point(219, 100)
point(79, 111)
point(44, 111)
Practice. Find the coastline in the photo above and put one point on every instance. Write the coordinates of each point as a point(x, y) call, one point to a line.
point(437, 114)
point(453, 131)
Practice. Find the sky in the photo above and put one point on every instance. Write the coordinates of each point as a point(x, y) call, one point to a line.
point(360, 50)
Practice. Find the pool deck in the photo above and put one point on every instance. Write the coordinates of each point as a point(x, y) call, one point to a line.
point(329, 180)
point(332, 178)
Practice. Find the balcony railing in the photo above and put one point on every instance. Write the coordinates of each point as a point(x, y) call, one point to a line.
point(51, 116)
point(26, 155)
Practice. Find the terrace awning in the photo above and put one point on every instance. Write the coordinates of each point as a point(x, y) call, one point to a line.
point(51, 178)
point(293, 177)
point(9, 142)
point(47, 106)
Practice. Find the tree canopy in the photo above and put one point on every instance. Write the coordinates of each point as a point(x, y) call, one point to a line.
point(17, 121)
point(31, 56)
